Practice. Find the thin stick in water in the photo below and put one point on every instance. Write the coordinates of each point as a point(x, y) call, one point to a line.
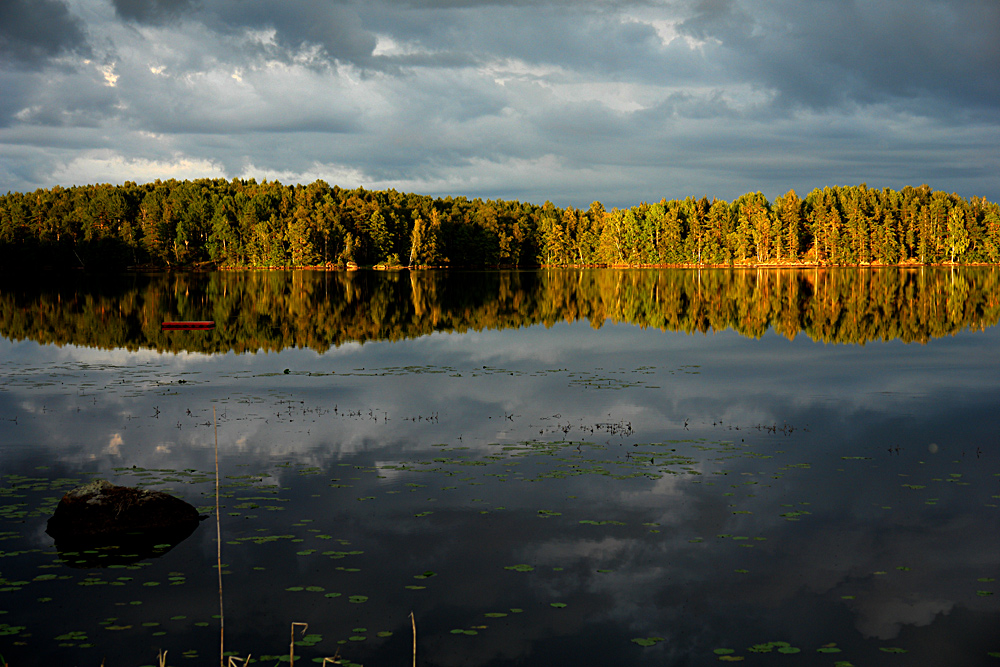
point(218, 544)
point(291, 647)
point(414, 622)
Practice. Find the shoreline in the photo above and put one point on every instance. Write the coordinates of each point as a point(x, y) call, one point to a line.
point(733, 265)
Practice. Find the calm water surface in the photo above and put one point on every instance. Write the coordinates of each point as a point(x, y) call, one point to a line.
point(546, 469)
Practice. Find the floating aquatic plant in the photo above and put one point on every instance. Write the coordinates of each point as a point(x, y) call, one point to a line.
point(647, 641)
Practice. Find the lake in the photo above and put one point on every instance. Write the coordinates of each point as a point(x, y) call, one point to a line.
point(552, 467)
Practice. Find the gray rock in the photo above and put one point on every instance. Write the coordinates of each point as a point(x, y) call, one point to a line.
point(101, 510)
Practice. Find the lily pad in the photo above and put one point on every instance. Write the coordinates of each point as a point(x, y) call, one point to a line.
point(647, 641)
point(521, 567)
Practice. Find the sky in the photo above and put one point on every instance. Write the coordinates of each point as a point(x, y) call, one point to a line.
point(569, 101)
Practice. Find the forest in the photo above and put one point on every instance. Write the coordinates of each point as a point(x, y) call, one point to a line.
point(245, 224)
point(272, 310)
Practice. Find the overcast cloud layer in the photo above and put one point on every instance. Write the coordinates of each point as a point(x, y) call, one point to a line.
point(566, 100)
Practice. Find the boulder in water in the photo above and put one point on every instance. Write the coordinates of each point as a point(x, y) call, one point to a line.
point(101, 510)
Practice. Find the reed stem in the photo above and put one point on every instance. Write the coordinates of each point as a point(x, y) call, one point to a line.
point(414, 622)
point(218, 544)
point(291, 647)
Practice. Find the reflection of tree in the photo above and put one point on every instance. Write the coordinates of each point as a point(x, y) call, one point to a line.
point(271, 310)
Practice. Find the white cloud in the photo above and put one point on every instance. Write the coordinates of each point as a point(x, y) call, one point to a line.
point(106, 166)
point(108, 72)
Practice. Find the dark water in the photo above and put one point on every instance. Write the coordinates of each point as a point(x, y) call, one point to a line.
point(490, 454)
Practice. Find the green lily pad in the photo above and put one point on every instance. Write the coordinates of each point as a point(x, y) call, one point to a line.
point(647, 641)
point(519, 568)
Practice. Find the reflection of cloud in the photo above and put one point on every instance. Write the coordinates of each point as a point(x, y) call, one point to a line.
point(114, 446)
point(562, 553)
point(388, 476)
point(884, 618)
point(665, 583)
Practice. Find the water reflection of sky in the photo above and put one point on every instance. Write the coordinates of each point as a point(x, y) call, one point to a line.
point(790, 411)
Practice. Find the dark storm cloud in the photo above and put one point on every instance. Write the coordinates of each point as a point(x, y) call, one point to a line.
point(574, 4)
point(151, 11)
point(15, 86)
point(334, 27)
point(331, 25)
point(568, 100)
point(926, 57)
point(34, 31)
point(583, 40)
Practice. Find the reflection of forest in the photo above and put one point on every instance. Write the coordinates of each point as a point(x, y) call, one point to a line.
point(271, 310)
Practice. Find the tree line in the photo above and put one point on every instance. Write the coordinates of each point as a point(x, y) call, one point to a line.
point(243, 223)
point(273, 310)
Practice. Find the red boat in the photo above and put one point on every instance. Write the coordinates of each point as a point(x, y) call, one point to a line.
point(187, 326)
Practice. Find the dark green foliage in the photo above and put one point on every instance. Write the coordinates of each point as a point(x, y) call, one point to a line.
point(242, 223)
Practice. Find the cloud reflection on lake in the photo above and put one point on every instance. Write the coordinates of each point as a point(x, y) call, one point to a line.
point(713, 490)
